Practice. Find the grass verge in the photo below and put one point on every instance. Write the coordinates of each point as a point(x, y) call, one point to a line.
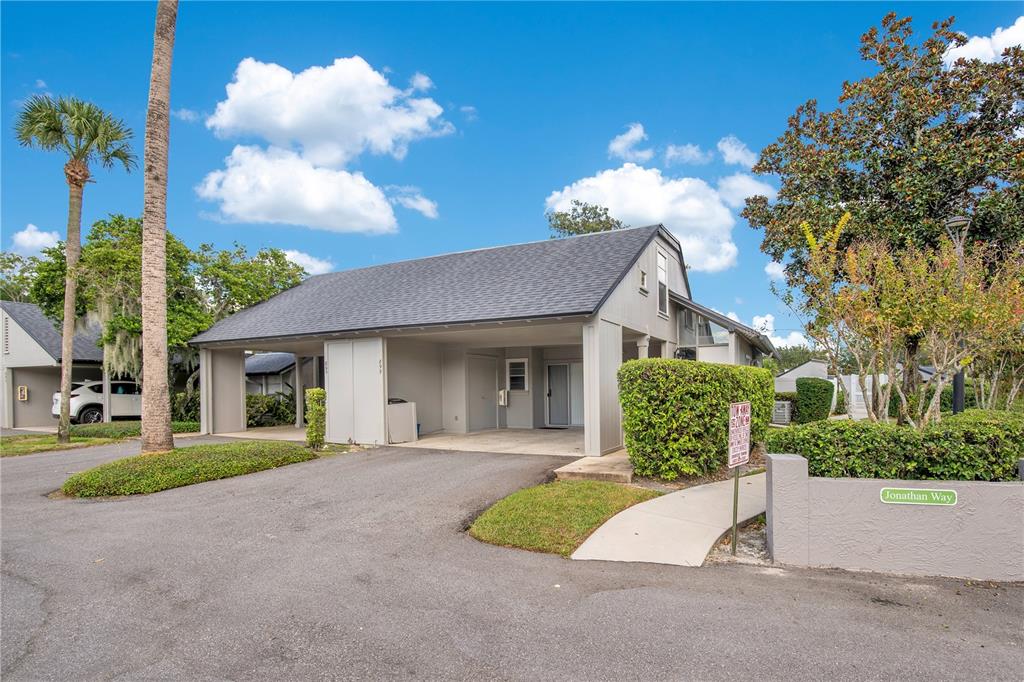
point(183, 466)
point(13, 446)
point(555, 517)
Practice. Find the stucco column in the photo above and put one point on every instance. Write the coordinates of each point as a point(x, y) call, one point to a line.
point(221, 391)
point(107, 416)
point(205, 392)
point(787, 509)
point(643, 345)
point(299, 395)
point(602, 415)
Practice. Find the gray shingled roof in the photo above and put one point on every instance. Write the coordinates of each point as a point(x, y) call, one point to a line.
point(46, 333)
point(550, 278)
point(268, 363)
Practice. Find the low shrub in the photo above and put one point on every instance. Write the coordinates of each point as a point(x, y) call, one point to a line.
point(126, 429)
point(675, 413)
point(185, 406)
point(814, 396)
point(151, 473)
point(840, 403)
point(977, 445)
point(276, 409)
point(945, 400)
point(316, 417)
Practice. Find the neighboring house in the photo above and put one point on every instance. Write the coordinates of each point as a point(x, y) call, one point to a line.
point(270, 373)
point(31, 363)
point(527, 336)
point(786, 382)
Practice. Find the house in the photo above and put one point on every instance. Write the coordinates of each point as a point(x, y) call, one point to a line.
point(270, 373)
point(528, 336)
point(815, 368)
point(31, 364)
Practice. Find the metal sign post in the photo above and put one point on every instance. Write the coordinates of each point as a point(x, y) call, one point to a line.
point(739, 453)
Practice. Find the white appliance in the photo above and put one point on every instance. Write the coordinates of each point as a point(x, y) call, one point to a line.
point(402, 423)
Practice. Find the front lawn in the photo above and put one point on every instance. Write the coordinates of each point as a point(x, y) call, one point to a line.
point(555, 517)
point(151, 473)
point(29, 444)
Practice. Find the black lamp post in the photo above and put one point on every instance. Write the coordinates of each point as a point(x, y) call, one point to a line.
point(956, 228)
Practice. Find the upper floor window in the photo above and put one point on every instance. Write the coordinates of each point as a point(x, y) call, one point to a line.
point(662, 283)
point(516, 374)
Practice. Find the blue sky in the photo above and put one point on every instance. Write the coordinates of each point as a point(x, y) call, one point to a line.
point(445, 127)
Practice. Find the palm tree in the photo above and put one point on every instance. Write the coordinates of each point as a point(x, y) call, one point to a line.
point(86, 134)
point(156, 399)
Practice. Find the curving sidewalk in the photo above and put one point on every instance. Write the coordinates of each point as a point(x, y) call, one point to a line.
point(679, 528)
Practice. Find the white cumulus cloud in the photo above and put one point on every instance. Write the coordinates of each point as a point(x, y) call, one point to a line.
point(32, 240)
point(689, 207)
point(311, 264)
point(315, 123)
point(469, 112)
point(279, 186)
point(766, 325)
point(624, 146)
point(775, 270)
point(331, 113)
point(686, 153)
point(988, 48)
point(40, 84)
point(186, 115)
point(735, 152)
point(735, 188)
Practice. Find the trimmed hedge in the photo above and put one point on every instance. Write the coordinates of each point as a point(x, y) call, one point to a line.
point(126, 429)
point(814, 397)
point(675, 413)
point(840, 403)
point(316, 417)
point(976, 445)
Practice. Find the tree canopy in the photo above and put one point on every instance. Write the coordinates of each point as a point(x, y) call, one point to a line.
point(203, 286)
point(915, 143)
point(582, 218)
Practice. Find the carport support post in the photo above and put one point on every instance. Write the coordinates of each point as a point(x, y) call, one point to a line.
point(643, 345)
point(299, 403)
point(107, 416)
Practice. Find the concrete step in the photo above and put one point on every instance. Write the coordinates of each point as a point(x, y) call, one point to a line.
point(614, 467)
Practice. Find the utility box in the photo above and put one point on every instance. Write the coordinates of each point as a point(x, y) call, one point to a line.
point(782, 413)
point(402, 423)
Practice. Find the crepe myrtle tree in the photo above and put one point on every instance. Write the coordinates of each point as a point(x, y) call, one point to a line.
point(86, 135)
point(917, 141)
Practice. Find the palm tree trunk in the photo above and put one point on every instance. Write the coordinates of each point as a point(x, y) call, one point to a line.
point(72, 251)
point(156, 400)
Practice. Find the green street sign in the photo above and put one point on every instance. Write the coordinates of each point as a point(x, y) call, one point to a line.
point(941, 498)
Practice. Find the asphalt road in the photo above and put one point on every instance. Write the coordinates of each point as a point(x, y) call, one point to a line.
point(357, 566)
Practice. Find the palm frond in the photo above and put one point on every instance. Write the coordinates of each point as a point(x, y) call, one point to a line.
point(81, 129)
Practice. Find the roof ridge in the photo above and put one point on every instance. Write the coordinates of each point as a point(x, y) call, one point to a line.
point(490, 248)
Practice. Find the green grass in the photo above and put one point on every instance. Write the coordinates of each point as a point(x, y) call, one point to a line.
point(13, 446)
point(555, 517)
point(125, 429)
point(151, 473)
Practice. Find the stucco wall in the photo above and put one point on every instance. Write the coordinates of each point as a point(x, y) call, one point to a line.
point(721, 354)
point(602, 415)
point(42, 383)
point(842, 523)
point(414, 373)
point(453, 390)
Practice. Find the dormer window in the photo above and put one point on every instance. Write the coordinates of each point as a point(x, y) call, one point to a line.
point(662, 283)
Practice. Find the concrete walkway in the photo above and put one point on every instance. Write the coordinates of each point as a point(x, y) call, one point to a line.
point(679, 528)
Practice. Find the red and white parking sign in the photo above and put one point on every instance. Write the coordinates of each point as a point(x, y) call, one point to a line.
point(739, 434)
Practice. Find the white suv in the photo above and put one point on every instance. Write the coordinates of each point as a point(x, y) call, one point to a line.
point(87, 401)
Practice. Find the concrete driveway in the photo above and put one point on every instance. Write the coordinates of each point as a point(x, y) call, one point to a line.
point(356, 566)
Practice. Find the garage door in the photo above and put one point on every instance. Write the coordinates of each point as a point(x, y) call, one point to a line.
point(354, 372)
